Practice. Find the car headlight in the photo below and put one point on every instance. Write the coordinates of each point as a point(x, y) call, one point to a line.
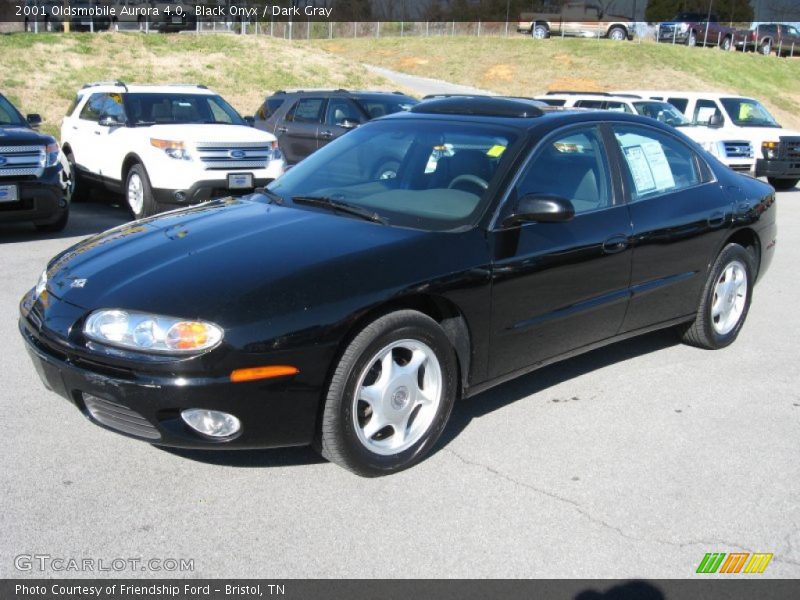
point(50, 157)
point(713, 148)
point(769, 150)
point(41, 285)
point(171, 148)
point(151, 333)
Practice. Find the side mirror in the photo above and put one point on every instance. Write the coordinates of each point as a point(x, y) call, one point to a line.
point(349, 124)
point(109, 121)
point(251, 121)
point(716, 120)
point(541, 208)
point(34, 120)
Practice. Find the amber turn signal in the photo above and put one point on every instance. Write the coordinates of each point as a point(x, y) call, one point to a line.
point(269, 372)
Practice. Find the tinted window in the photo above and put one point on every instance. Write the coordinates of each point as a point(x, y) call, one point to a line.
point(661, 111)
point(308, 110)
point(93, 107)
point(571, 166)
point(679, 103)
point(552, 101)
point(8, 114)
point(703, 111)
point(428, 175)
point(340, 110)
point(269, 107)
point(385, 106)
point(656, 162)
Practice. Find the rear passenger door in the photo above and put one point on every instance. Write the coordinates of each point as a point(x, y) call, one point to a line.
point(298, 135)
point(678, 212)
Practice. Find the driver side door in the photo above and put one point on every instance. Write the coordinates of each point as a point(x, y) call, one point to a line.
point(561, 286)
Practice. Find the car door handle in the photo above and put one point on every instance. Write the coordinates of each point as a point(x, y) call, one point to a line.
point(616, 243)
point(716, 219)
point(282, 129)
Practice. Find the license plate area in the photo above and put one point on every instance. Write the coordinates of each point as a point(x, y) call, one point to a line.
point(9, 193)
point(240, 181)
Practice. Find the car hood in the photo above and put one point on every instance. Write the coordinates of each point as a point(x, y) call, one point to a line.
point(20, 136)
point(225, 258)
point(193, 134)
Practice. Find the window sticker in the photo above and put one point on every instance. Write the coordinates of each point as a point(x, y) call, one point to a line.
point(648, 164)
point(495, 151)
point(642, 176)
point(659, 167)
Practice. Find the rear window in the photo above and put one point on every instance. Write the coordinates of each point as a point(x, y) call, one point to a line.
point(269, 107)
point(679, 103)
point(376, 108)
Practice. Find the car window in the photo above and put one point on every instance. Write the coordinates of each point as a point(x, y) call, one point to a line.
point(703, 111)
point(792, 31)
point(553, 101)
point(679, 103)
point(432, 175)
point(219, 112)
point(111, 106)
point(269, 107)
point(656, 162)
point(589, 104)
point(571, 166)
point(156, 108)
point(308, 110)
point(340, 110)
point(748, 113)
point(8, 114)
point(376, 108)
point(92, 109)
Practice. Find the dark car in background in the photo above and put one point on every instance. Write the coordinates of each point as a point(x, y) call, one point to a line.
point(696, 29)
point(350, 312)
point(765, 38)
point(33, 184)
point(306, 120)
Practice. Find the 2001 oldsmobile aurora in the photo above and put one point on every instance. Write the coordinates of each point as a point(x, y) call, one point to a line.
point(347, 308)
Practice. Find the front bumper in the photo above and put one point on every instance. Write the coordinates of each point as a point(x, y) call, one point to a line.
point(669, 37)
point(779, 169)
point(273, 413)
point(41, 201)
point(202, 191)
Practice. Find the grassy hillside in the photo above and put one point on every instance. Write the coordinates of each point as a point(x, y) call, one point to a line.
point(522, 66)
point(41, 73)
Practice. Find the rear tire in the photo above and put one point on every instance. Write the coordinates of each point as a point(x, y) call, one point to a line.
point(390, 396)
point(540, 32)
point(725, 301)
point(139, 193)
point(618, 34)
point(782, 184)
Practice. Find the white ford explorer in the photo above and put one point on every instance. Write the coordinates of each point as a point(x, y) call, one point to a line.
point(164, 147)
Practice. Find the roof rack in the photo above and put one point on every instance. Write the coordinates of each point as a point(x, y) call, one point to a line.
point(578, 93)
point(117, 82)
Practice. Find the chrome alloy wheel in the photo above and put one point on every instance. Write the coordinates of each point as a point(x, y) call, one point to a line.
point(730, 298)
point(397, 397)
point(135, 193)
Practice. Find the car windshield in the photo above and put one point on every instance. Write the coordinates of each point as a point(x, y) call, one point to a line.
point(171, 109)
point(8, 114)
point(662, 111)
point(430, 175)
point(748, 113)
point(379, 107)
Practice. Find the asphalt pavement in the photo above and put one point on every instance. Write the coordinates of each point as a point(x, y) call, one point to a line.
point(631, 461)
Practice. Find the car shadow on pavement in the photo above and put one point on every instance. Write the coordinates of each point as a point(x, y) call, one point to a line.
point(540, 380)
point(85, 218)
point(463, 412)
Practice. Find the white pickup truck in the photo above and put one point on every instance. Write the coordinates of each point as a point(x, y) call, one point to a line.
point(164, 146)
point(736, 153)
point(777, 150)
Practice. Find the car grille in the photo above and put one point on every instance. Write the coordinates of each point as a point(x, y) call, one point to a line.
point(741, 168)
point(17, 161)
point(666, 30)
point(226, 156)
point(119, 417)
point(738, 150)
point(790, 148)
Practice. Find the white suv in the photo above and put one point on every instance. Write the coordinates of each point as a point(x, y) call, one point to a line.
point(164, 146)
point(735, 152)
point(777, 149)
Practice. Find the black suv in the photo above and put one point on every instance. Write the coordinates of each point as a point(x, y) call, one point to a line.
point(305, 120)
point(32, 181)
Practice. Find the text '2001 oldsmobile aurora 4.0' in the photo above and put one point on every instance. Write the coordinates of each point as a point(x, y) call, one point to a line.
point(349, 312)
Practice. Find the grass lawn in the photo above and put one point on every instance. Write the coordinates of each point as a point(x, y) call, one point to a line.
point(522, 66)
point(41, 72)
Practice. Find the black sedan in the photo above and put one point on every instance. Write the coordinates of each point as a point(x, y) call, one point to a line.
point(350, 312)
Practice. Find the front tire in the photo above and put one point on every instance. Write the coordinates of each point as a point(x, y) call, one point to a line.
point(78, 187)
point(618, 34)
point(139, 193)
point(782, 184)
point(390, 396)
point(726, 44)
point(725, 301)
point(540, 32)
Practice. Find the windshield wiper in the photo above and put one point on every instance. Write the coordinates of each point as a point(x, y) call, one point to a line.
point(340, 206)
point(273, 197)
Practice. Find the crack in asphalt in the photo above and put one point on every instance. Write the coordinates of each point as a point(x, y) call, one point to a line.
point(605, 524)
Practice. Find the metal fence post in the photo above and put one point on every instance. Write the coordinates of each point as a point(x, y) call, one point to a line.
point(402, 28)
point(791, 55)
point(674, 35)
point(308, 29)
point(330, 30)
point(427, 28)
point(780, 48)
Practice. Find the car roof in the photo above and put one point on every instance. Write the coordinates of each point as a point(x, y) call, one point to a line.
point(339, 92)
point(140, 88)
point(680, 94)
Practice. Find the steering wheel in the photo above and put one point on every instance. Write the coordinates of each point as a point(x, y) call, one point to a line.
point(473, 179)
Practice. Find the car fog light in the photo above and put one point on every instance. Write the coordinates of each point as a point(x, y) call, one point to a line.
point(212, 423)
